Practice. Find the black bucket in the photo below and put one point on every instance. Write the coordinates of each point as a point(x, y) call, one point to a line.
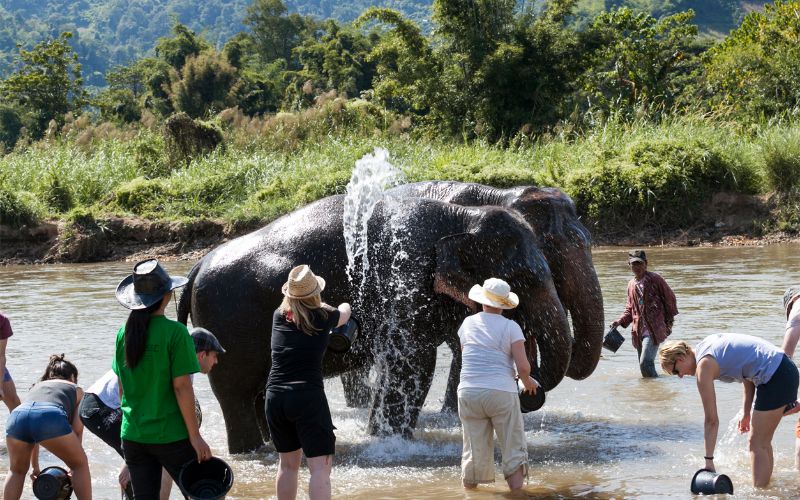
point(209, 480)
point(710, 483)
point(528, 402)
point(613, 340)
point(52, 483)
point(342, 337)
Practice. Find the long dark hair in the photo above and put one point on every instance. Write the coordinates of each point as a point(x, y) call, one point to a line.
point(60, 368)
point(136, 333)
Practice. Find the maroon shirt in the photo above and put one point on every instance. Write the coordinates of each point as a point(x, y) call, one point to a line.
point(656, 309)
point(5, 327)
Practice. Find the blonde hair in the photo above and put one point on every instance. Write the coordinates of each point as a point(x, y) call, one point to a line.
point(671, 351)
point(301, 312)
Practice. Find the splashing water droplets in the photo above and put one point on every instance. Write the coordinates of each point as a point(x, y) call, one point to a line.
point(372, 175)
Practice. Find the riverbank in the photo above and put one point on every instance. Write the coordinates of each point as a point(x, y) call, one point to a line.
point(726, 220)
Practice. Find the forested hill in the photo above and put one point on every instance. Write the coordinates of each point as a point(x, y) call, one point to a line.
point(111, 32)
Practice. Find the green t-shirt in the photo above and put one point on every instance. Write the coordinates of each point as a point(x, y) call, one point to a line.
point(150, 412)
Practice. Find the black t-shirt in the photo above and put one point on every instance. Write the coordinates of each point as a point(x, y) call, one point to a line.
point(297, 356)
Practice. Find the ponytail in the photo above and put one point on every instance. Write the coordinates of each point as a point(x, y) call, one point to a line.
point(136, 333)
point(60, 368)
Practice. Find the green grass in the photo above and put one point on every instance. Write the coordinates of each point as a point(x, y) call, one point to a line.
point(619, 175)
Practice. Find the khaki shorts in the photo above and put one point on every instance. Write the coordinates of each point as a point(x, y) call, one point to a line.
point(483, 413)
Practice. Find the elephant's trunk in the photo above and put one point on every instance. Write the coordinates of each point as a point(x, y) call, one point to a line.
point(579, 291)
point(546, 330)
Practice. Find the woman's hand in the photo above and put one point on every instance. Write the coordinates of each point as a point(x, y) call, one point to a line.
point(35, 473)
point(710, 465)
point(201, 448)
point(744, 424)
point(124, 477)
point(531, 385)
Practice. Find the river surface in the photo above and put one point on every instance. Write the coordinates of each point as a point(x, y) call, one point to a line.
point(613, 435)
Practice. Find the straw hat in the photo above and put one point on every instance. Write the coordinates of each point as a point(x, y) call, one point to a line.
point(147, 285)
point(302, 283)
point(495, 293)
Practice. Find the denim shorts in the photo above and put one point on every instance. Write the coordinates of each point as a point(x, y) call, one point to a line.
point(34, 422)
point(7, 376)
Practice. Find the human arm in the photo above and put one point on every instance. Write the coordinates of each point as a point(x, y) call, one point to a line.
point(627, 315)
point(790, 339)
point(345, 311)
point(670, 303)
point(77, 423)
point(707, 370)
point(523, 366)
point(35, 469)
point(749, 389)
point(3, 343)
point(184, 394)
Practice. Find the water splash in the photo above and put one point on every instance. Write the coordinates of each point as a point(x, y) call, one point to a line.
point(372, 175)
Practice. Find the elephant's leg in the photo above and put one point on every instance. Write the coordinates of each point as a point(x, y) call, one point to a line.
point(356, 387)
point(238, 405)
point(451, 393)
point(404, 379)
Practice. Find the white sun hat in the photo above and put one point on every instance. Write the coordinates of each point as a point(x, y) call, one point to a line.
point(495, 293)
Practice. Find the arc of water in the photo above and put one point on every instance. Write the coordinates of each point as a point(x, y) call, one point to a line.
point(372, 175)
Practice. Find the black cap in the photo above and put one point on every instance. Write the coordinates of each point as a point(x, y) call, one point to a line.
point(636, 256)
point(205, 340)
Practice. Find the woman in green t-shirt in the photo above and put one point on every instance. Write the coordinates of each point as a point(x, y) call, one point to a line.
point(153, 360)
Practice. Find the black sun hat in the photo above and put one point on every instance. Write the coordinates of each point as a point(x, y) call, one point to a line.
point(147, 285)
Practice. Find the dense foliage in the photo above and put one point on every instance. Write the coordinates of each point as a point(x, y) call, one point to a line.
point(628, 112)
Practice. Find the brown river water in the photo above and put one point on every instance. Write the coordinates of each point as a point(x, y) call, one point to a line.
point(613, 435)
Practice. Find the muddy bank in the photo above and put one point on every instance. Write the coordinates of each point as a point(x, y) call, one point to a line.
point(727, 219)
point(113, 239)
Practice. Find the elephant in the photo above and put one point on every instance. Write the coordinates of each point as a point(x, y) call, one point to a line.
point(566, 244)
point(424, 256)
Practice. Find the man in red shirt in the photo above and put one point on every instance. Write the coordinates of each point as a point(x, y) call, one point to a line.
point(651, 307)
point(8, 391)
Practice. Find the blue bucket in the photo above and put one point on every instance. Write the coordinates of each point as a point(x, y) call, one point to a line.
point(342, 337)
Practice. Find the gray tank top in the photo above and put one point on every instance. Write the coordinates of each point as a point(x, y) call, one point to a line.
point(59, 392)
point(741, 357)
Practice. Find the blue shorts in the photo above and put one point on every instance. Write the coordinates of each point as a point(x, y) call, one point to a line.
point(7, 376)
point(34, 422)
point(781, 389)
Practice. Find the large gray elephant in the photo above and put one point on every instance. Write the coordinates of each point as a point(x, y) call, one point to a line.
point(424, 256)
point(566, 245)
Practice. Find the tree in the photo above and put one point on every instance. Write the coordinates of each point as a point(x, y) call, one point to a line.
point(47, 83)
point(406, 72)
point(183, 44)
point(275, 33)
point(203, 85)
point(641, 62)
point(756, 70)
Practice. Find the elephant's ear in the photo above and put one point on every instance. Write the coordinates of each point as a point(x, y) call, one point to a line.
point(453, 275)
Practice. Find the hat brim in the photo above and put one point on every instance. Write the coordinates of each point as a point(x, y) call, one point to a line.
point(478, 294)
point(317, 291)
point(127, 296)
point(631, 260)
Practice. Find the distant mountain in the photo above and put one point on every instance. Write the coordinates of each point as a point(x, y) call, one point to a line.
point(112, 32)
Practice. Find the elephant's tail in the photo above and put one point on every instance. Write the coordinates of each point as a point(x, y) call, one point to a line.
point(185, 302)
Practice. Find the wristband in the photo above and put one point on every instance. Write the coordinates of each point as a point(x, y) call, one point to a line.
point(709, 458)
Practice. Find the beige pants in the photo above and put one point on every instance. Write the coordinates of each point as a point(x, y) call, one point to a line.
point(483, 411)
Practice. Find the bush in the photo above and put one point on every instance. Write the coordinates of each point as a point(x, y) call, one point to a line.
point(57, 195)
point(18, 210)
point(782, 160)
point(656, 184)
point(143, 196)
point(10, 128)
